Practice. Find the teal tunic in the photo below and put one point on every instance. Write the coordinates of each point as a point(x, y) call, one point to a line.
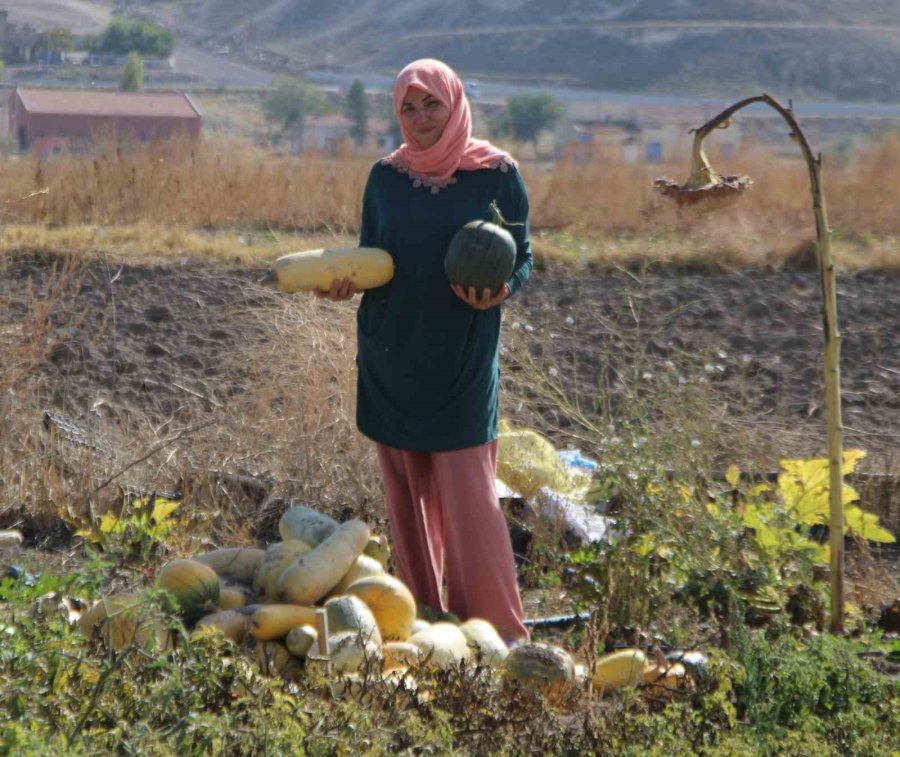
point(428, 369)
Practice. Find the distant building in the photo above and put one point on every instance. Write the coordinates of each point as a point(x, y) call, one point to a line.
point(331, 134)
point(383, 138)
point(326, 134)
point(114, 60)
point(17, 43)
point(587, 140)
point(636, 139)
point(69, 118)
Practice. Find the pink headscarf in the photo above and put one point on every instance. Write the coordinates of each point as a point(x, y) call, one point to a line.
point(455, 150)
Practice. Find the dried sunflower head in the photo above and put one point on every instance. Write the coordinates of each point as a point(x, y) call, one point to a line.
point(710, 195)
point(705, 189)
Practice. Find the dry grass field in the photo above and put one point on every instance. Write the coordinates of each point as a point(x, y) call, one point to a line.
point(604, 212)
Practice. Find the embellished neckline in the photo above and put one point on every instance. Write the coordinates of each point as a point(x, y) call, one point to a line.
point(433, 185)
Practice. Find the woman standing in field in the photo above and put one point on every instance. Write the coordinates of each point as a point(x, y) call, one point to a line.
point(428, 352)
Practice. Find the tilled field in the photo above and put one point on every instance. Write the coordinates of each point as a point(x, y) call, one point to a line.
point(132, 342)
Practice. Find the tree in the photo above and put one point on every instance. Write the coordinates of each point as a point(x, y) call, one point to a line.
point(528, 115)
point(133, 74)
point(290, 101)
point(124, 36)
point(55, 40)
point(357, 110)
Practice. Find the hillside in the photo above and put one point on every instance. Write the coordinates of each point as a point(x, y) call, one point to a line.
point(815, 47)
point(808, 48)
point(78, 16)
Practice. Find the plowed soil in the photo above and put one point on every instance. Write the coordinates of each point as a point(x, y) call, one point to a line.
point(138, 340)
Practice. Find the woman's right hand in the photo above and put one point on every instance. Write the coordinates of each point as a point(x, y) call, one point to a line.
point(341, 289)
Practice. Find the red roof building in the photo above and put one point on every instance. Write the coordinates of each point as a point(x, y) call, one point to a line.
point(76, 116)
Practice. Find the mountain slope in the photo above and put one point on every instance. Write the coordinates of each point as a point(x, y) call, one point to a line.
point(78, 16)
point(807, 47)
point(803, 48)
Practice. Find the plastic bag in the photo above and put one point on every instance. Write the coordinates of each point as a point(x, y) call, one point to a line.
point(527, 461)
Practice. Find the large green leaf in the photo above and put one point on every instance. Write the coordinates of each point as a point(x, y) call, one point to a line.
point(866, 525)
point(804, 487)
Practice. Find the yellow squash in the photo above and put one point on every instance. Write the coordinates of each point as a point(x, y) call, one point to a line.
point(279, 557)
point(232, 625)
point(366, 267)
point(390, 601)
point(119, 621)
point(313, 574)
point(238, 564)
point(272, 622)
point(618, 669)
point(363, 567)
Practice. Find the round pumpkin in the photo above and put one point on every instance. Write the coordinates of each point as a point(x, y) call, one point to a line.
point(400, 655)
point(300, 640)
point(194, 585)
point(347, 651)
point(420, 624)
point(362, 567)
point(482, 635)
point(443, 645)
point(231, 597)
point(118, 622)
point(482, 254)
point(543, 667)
point(390, 601)
point(350, 613)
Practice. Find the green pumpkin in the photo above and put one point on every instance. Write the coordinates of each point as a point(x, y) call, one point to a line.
point(194, 585)
point(482, 254)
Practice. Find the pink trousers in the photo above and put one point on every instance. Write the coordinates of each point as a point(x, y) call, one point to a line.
point(446, 522)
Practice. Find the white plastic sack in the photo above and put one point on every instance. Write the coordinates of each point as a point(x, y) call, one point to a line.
point(586, 526)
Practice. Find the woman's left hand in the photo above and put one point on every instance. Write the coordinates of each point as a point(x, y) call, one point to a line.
point(486, 301)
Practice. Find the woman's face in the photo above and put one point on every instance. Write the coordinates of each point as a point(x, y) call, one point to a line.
point(424, 116)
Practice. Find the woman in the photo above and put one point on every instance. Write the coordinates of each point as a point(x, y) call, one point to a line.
point(428, 352)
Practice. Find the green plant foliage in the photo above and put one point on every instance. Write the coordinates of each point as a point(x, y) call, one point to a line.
point(133, 73)
point(803, 488)
point(528, 115)
point(719, 545)
point(61, 694)
point(357, 110)
point(54, 40)
point(816, 686)
point(137, 532)
point(291, 100)
point(126, 35)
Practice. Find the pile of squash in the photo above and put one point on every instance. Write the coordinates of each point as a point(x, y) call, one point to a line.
point(268, 600)
point(273, 602)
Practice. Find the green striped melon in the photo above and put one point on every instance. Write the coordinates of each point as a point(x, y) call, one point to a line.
point(194, 585)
